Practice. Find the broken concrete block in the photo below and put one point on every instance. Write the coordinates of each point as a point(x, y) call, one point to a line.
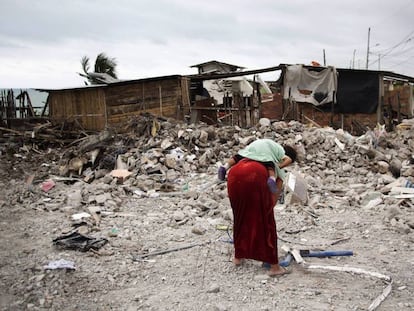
point(203, 137)
point(166, 144)
point(382, 167)
point(171, 161)
point(264, 122)
point(121, 175)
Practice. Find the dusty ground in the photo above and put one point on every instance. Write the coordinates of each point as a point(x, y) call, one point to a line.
point(199, 277)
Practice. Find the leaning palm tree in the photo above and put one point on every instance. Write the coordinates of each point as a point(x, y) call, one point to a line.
point(104, 70)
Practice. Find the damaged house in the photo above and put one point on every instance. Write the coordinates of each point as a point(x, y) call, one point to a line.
point(225, 95)
point(222, 93)
point(189, 98)
point(345, 98)
point(355, 100)
point(97, 107)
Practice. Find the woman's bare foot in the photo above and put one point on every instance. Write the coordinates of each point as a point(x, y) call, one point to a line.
point(276, 270)
point(237, 261)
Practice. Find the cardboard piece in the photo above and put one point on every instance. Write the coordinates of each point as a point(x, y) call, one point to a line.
point(298, 187)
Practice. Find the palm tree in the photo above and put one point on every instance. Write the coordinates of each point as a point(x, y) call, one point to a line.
point(104, 71)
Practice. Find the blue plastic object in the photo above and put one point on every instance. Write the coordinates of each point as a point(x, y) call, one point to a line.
point(307, 253)
point(286, 262)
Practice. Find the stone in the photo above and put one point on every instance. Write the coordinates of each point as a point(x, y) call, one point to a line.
point(395, 167)
point(264, 122)
point(214, 288)
point(178, 216)
point(198, 229)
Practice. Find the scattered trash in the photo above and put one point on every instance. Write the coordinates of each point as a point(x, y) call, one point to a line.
point(222, 227)
point(47, 185)
point(409, 184)
point(113, 232)
point(298, 254)
point(380, 298)
point(60, 264)
point(309, 253)
point(77, 241)
point(161, 252)
point(79, 216)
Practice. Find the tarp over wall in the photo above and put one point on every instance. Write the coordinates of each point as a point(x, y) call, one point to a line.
point(316, 86)
point(358, 91)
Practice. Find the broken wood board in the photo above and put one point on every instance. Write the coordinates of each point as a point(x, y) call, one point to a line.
point(401, 190)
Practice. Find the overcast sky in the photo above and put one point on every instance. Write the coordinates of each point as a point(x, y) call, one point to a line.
point(43, 41)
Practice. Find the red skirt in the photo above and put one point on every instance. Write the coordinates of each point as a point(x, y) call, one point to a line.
point(254, 229)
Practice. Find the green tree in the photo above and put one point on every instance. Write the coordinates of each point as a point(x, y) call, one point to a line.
point(104, 70)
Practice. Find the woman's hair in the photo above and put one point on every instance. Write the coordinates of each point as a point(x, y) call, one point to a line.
point(290, 152)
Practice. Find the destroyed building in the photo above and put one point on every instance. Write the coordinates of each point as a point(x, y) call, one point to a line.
point(226, 94)
point(351, 99)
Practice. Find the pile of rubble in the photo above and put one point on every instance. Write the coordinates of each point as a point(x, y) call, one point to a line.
point(159, 155)
point(155, 156)
point(155, 183)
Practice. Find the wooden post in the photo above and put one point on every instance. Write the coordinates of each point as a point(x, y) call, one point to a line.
point(160, 93)
point(247, 107)
point(143, 97)
point(333, 109)
point(380, 99)
point(398, 108)
point(257, 104)
point(237, 105)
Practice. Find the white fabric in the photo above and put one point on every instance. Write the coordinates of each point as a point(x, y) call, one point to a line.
point(316, 88)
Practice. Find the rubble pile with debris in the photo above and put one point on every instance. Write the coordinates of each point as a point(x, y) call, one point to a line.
point(135, 219)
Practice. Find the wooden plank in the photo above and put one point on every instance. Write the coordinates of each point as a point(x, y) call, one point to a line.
point(402, 190)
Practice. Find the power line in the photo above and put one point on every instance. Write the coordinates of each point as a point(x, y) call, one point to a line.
point(387, 52)
point(404, 61)
point(405, 40)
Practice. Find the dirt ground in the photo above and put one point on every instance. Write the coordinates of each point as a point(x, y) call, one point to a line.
point(200, 276)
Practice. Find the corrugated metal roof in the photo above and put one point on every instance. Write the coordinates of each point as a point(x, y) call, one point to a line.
point(215, 62)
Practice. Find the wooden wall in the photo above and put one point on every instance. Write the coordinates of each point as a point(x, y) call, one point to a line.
point(86, 106)
point(164, 97)
point(400, 98)
point(110, 105)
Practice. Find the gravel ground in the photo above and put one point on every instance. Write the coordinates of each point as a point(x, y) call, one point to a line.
point(193, 227)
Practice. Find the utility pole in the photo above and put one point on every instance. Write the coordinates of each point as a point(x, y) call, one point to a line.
point(324, 58)
point(379, 61)
point(353, 60)
point(369, 31)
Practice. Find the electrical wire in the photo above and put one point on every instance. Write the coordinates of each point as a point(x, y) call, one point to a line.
point(388, 52)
